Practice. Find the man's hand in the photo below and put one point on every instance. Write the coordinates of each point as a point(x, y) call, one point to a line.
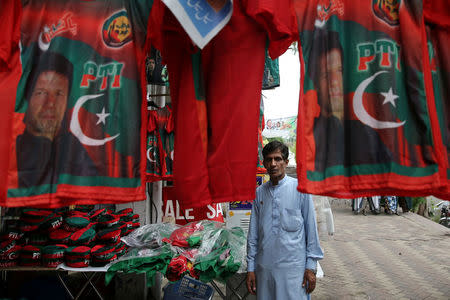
point(251, 282)
point(309, 281)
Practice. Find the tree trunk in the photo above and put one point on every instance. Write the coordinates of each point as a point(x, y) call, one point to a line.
point(422, 209)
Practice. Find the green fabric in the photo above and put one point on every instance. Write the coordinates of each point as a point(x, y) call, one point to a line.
point(212, 266)
point(194, 240)
point(221, 263)
point(271, 78)
point(148, 261)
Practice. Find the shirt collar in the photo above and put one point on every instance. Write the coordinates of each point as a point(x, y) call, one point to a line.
point(281, 182)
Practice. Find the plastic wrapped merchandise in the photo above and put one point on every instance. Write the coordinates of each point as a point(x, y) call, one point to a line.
point(142, 260)
point(180, 266)
point(150, 236)
point(324, 214)
point(191, 234)
point(221, 254)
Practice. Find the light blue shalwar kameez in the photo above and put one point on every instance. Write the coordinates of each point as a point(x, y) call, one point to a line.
point(282, 240)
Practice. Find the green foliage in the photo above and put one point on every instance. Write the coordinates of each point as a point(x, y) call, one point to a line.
point(291, 143)
point(294, 47)
point(416, 201)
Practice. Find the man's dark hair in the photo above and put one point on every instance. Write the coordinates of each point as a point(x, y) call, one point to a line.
point(274, 146)
point(49, 61)
point(323, 42)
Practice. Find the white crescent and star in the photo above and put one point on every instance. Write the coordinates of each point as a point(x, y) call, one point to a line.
point(43, 45)
point(102, 117)
point(76, 128)
point(148, 154)
point(362, 114)
point(389, 97)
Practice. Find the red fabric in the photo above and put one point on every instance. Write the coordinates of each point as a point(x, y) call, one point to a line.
point(217, 127)
point(177, 267)
point(437, 20)
point(279, 21)
point(179, 236)
point(10, 72)
point(437, 12)
point(10, 14)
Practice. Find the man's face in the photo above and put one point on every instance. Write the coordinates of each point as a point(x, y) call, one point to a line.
point(330, 90)
point(47, 104)
point(275, 165)
point(151, 64)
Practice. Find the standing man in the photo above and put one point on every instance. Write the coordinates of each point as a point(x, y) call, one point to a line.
point(283, 243)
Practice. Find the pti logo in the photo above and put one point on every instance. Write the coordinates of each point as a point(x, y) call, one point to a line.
point(116, 31)
point(387, 10)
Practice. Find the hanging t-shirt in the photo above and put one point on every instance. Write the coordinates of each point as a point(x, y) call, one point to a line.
point(366, 123)
point(437, 18)
point(154, 149)
point(10, 71)
point(160, 141)
point(77, 127)
point(271, 78)
point(168, 139)
point(259, 162)
point(215, 156)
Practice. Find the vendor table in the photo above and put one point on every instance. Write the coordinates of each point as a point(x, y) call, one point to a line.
point(89, 275)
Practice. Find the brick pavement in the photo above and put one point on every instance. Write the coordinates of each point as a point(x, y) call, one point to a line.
point(384, 257)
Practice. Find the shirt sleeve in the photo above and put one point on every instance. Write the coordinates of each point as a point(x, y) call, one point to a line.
point(10, 14)
point(252, 238)
point(437, 12)
point(277, 17)
point(313, 250)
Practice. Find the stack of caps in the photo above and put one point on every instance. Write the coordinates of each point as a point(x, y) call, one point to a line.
point(10, 249)
point(53, 255)
point(78, 256)
point(80, 228)
point(135, 220)
point(84, 208)
point(102, 255)
point(30, 256)
point(76, 222)
point(95, 214)
point(45, 235)
point(60, 236)
point(108, 238)
point(125, 221)
point(108, 229)
point(31, 219)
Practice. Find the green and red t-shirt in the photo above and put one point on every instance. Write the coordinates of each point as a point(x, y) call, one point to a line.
point(87, 149)
point(367, 123)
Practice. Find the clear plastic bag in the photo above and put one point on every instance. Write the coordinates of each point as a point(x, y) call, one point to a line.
point(325, 220)
point(142, 260)
point(216, 252)
point(221, 254)
point(150, 236)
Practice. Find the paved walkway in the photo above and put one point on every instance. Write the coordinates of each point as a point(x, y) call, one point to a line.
point(384, 257)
